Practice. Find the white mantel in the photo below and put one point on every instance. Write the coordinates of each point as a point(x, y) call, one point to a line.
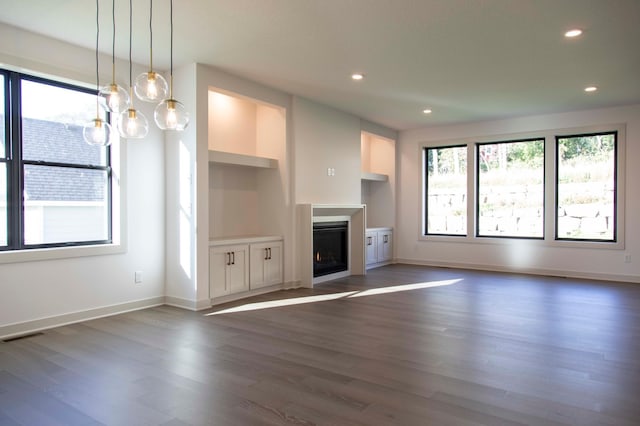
point(357, 225)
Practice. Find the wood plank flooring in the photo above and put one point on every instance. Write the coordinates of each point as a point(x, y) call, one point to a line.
point(403, 345)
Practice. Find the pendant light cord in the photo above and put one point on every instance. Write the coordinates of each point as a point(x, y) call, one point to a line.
point(97, 57)
point(113, 42)
point(130, 38)
point(150, 35)
point(171, 48)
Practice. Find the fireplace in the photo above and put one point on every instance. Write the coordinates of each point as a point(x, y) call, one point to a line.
point(312, 216)
point(330, 247)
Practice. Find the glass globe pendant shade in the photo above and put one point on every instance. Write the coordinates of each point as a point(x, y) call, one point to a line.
point(132, 124)
point(171, 115)
point(151, 87)
point(97, 132)
point(114, 98)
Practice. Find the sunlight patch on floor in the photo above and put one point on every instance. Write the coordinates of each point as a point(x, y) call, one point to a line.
point(284, 302)
point(404, 287)
point(332, 296)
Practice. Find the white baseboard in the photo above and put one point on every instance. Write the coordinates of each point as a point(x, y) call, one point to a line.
point(530, 271)
point(379, 264)
point(34, 326)
point(192, 305)
point(291, 285)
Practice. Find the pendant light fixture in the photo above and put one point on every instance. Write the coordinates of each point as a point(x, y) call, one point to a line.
point(97, 132)
point(132, 124)
point(151, 86)
point(114, 96)
point(171, 114)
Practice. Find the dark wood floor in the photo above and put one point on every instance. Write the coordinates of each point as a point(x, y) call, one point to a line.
point(405, 345)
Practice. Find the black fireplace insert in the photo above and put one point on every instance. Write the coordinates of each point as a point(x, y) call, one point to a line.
point(330, 247)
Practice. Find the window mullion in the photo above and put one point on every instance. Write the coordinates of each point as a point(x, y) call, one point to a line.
point(16, 174)
point(64, 165)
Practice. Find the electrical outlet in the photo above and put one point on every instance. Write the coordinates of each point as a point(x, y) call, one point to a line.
point(138, 277)
point(627, 258)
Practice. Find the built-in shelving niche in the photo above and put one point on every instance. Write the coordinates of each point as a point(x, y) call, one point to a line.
point(378, 165)
point(247, 158)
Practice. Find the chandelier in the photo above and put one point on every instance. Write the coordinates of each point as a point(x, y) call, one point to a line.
point(169, 113)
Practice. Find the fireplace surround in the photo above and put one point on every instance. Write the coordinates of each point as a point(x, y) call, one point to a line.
point(310, 214)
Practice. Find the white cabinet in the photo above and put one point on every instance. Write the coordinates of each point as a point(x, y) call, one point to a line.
point(379, 244)
point(385, 245)
point(371, 241)
point(265, 261)
point(228, 269)
point(239, 265)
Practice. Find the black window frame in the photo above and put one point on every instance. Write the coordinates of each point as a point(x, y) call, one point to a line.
point(615, 184)
point(425, 154)
point(477, 146)
point(16, 165)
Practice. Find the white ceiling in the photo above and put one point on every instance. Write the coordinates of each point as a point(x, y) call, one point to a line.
point(467, 60)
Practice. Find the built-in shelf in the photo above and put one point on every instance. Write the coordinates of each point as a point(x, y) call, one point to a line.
point(377, 177)
point(230, 158)
point(243, 239)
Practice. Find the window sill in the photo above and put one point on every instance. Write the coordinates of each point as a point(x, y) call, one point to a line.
point(34, 255)
point(594, 245)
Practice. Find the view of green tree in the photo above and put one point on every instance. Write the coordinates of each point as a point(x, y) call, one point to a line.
point(593, 147)
point(450, 160)
point(510, 155)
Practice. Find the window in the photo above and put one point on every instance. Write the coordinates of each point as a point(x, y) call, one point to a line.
point(586, 187)
point(55, 189)
point(3, 165)
point(446, 190)
point(510, 190)
point(570, 195)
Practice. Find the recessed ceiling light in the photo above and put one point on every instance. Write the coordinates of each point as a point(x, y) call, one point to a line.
point(426, 111)
point(573, 33)
point(590, 89)
point(357, 76)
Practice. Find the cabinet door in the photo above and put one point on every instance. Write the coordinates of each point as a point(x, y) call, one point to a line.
point(266, 264)
point(273, 273)
point(228, 270)
point(385, 246)
point(238, 270)
point(218, 259)
point(371, 241)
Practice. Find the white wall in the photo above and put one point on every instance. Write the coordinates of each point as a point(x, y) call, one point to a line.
point(324, 138)
point(519, 255)
point(182, 207)
point(38, 294)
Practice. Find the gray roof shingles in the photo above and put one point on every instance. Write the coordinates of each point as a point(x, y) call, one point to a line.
point(61, 143)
